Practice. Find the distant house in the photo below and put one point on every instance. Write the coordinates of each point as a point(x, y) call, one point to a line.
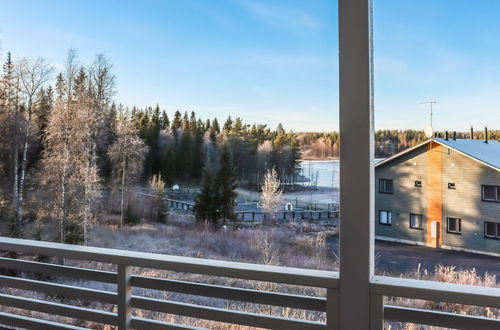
point(441, 193)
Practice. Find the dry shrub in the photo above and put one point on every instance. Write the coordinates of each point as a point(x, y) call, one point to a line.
point(448, 274)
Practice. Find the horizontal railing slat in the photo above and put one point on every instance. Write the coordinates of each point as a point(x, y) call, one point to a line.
point(146, 324)
point(380, 285)
point(59, 289)
point(58, 270)
point(223, 315)
point(285, 275)
point(224, 292)
point(33, 323)
point(435, 291)
point(59, 309)
point(439, 319)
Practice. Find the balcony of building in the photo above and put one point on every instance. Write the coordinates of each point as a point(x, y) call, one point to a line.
point(353, 298)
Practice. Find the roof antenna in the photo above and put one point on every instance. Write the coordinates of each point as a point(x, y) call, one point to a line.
point(430, 103)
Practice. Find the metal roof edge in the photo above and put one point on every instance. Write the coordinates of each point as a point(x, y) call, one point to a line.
point(402, 153)
point(441, 143)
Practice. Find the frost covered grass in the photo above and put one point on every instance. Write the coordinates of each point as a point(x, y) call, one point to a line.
point(447, 274)
point(291, 244)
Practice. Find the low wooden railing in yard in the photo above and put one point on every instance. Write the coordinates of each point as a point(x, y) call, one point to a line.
point(126, 301)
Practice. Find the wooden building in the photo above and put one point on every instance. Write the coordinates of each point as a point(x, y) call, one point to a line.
point(444, 192)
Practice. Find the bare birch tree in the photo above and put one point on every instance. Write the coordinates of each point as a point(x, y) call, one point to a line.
point(271, 197)
point(102, 83)
point(127, 155)
point(33, 75)
point(88, 120)
point(58, 158)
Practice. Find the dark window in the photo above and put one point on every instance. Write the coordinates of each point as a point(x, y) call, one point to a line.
point(418, 183)
point(492, 229)
point(454, 225)
point(491, 193)
point(385, 217)
point(416, 221)
point(386, 186)
point(451, 185)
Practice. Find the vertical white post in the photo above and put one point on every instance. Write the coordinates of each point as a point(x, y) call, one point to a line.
point(376, 312)
point(356, 163)
point(124, 297)
point(332, 309)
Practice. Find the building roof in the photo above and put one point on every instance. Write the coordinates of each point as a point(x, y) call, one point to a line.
point(486, 153)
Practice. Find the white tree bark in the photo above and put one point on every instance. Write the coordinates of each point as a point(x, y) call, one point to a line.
point(33, 74)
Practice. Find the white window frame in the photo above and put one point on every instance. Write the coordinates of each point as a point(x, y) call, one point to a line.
point(497, 225)
point(497, 193)
point(421, 226)
point(382, 186)
point(459, 225)
point(388, 217)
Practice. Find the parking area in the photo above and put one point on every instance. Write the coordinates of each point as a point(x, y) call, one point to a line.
point(403, 258)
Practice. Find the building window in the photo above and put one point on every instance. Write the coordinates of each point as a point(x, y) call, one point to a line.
point(454, 225)
point(492, 229)
point(451, 185)
point(491, 193)
point(385, 217)
point(416, 221)
point(418, 184)
point(386, 186)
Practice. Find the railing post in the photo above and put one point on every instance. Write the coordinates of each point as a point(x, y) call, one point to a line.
point(356, 163)
point(376, 312)
point(332, 309)
point(124, 297)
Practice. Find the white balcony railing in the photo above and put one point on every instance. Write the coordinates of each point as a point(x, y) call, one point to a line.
point(352, 299)
point(25, 275)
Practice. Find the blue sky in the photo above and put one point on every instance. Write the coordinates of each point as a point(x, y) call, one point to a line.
point(275, 61)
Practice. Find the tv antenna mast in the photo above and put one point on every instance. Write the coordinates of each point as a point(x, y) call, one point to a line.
point(431, 103)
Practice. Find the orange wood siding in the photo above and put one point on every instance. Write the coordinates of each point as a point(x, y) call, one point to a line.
point(434, 192)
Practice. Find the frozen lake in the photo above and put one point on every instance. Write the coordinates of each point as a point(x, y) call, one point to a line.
point(321, 173)
point(325, 173)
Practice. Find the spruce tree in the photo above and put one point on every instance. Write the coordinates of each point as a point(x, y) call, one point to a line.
point(165, 122)
point(198, 151)
point(185, 160)
point(168, 166)
point(225, 184)
point(206, 201)
point(228, 125)
point(215, 125)
point(176, 122)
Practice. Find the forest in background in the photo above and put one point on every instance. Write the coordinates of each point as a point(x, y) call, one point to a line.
point(64, 134)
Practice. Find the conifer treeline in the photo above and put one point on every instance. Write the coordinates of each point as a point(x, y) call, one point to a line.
point(181, 146)
point(67, 136)
point(317, 145)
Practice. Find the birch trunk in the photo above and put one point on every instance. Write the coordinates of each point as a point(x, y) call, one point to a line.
point(20, 197)
point(122, 202)
point(16, 150)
